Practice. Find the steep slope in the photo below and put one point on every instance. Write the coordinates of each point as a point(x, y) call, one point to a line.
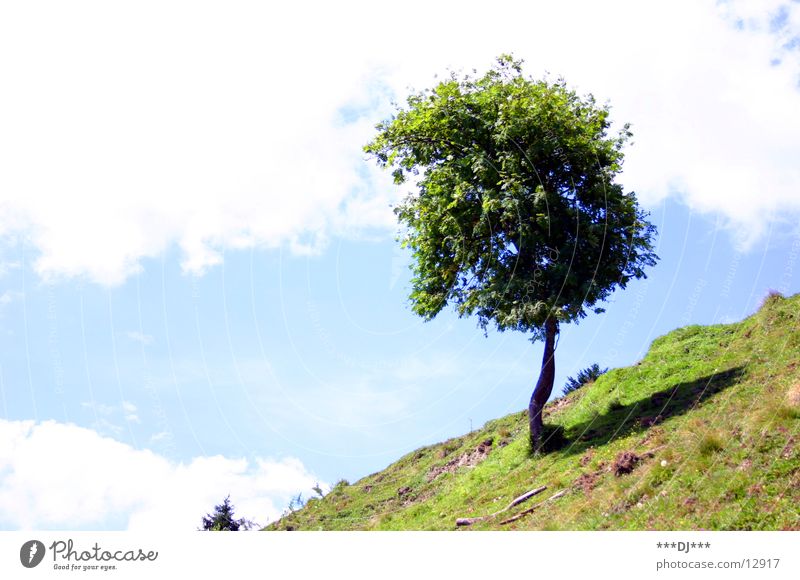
point(703, 433)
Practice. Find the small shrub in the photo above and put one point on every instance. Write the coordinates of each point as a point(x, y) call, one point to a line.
point(223, 520)
point(338, 489)
point(584, 377)
point(772, 297)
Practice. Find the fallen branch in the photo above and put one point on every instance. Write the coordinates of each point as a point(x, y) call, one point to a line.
point(525, 497)
point(516, 501)
point(531, 509)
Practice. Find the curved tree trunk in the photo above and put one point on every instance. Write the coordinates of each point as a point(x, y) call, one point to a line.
point(544, 386)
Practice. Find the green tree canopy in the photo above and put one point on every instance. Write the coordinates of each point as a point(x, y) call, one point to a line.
point(515, 217)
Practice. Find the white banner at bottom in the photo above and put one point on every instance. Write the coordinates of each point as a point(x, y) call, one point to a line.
point(356, 555)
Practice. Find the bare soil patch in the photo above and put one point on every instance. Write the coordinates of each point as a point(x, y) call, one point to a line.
point(625, 463)
point(466, 459)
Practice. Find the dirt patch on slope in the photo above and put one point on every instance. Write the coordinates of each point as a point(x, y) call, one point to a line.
point(468, 458)
point(624, 463)
point(587, 481)
point(558, 405)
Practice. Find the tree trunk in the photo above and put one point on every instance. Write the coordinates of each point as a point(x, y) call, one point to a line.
point(544, 386)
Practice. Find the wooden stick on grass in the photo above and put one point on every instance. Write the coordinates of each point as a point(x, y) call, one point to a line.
point(531, 509)
point(516, 501)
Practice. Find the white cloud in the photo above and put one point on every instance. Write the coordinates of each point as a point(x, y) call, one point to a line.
point(714, 121)
point(223, 126)
point(130, 411)
point(161, 436)
point(56, 475)
point(140, 337)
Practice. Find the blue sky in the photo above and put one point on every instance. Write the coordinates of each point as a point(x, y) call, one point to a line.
point(200, 292)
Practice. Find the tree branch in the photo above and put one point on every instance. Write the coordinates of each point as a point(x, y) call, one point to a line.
point(531, 509)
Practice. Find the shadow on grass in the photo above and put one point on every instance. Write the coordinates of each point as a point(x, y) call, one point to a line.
point(636, 417)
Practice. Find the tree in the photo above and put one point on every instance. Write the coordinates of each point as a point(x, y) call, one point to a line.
point(584, 377)
point(516, 217)
point(222, 519)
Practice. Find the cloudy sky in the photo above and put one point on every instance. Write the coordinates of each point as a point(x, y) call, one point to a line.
point(199, 289)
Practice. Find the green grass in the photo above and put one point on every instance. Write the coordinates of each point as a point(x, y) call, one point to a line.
point(713, 414)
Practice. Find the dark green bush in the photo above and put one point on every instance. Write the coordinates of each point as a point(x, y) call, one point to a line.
point(584, 377)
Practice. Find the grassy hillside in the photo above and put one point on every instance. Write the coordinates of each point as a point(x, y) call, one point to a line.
point(703, 433)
